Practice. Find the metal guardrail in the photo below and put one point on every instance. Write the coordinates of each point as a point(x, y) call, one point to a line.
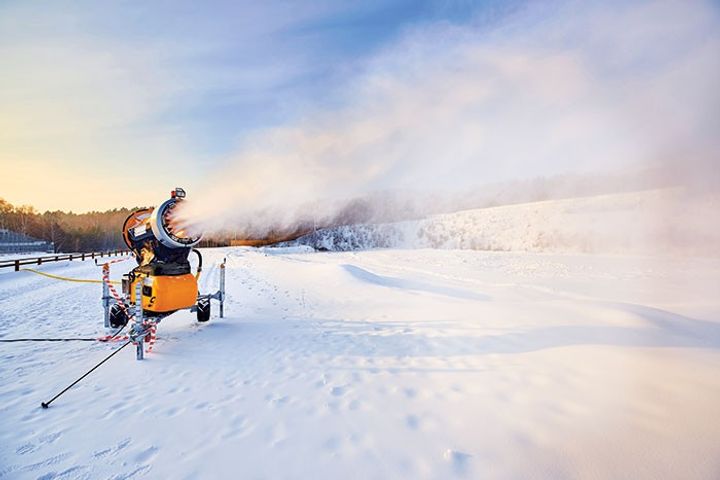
point(19, 262)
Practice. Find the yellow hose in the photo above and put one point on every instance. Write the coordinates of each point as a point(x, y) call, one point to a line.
point(66, 279)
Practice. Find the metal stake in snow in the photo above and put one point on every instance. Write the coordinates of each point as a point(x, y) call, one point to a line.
point(222, 288)
point(138, 330)
point(47, 404)
point(106, 306)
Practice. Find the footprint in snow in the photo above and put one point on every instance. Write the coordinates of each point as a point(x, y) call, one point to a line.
point(27, 448)
point(459, 460)
point(332, 443)
point(146, 454)
point(50, 437)
point(412, 422)
point(173, 411)
point(410, 392)
point(112, 450)
point(69, 473)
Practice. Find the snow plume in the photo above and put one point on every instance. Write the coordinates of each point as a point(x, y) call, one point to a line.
point(554, 89)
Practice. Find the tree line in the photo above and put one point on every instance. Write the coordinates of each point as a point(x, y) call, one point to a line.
point(68, 231)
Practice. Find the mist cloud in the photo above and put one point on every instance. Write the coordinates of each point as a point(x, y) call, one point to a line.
point(554, 89)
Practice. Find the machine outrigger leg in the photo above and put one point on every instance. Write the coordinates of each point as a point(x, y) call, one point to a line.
point(138, 328)
point(202, 307)
point(222, 288)
point(106, 306)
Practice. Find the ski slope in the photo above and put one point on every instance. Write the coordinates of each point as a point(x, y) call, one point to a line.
point(380, 364)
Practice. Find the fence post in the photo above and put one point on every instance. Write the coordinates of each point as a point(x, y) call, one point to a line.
point(17, 265)
point(82, 257)
point(39, 260)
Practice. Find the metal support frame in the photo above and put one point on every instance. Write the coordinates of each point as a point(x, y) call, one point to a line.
point(138, 330)
point(219, 295)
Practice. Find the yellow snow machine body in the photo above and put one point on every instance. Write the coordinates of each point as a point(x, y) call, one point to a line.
point(164, 293)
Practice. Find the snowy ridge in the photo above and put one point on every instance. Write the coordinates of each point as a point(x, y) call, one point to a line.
point(654, 222)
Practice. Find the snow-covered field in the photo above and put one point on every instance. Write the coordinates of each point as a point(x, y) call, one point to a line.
point(380, 364)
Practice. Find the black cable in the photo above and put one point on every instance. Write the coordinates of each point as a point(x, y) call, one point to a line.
point(11, 340)
point(117, 332)
point(47, 404)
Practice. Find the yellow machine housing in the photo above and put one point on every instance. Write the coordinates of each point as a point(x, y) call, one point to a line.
point(165, 293)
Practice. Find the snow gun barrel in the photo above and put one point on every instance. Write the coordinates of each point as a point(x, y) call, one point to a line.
point(151, 226)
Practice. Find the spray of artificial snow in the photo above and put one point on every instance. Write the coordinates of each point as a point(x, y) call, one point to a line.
point(572, 88)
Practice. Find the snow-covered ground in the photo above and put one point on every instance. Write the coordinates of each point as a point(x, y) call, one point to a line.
point(379, 364)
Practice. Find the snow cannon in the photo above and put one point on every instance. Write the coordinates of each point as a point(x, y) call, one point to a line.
point(162, 282)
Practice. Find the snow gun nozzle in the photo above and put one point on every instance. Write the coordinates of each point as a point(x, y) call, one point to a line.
point(163, 224)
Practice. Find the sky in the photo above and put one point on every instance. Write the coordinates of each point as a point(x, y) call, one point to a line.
point(253, 105)
point(104, 103)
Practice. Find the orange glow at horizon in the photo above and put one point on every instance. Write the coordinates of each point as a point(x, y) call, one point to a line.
point(48, 187)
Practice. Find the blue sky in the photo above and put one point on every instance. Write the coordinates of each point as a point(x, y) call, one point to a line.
point(275, 59)
point(177, 84)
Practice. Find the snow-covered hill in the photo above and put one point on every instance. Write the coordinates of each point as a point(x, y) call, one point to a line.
point(667, 221)
point(388, 364)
